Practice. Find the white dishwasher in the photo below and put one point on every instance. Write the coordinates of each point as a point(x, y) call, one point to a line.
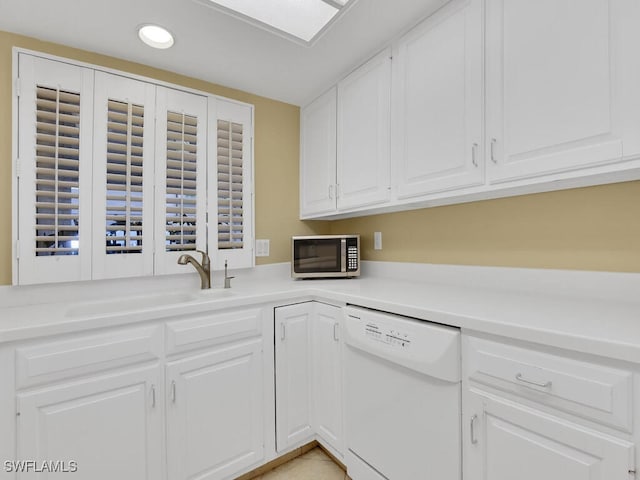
point(402, 394)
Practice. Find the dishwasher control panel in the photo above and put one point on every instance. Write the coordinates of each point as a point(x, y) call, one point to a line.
point(390, 336)
point(419, 345)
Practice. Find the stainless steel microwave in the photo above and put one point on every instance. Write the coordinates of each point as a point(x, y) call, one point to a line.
point(322, 256)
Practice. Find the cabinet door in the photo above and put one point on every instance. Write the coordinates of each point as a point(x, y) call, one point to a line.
point(437, 115)
point(215, 424)
point(326, 374)
point(318, 156)
point(293, 383)
point(558, 93)
point(110, 426)
point(505, 440)
point(363, 134)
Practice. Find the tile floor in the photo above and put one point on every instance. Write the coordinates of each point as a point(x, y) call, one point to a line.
point(313, 465)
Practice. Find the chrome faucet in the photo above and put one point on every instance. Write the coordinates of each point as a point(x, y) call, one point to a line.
point(203, 269)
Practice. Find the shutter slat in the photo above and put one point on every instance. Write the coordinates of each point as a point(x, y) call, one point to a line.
point(125, 170)
point(57, 169)
point(230, 184)
point(181, 181)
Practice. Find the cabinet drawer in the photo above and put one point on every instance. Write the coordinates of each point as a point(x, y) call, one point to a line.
point(203, 330)
point(52, 361)
point(589, 390)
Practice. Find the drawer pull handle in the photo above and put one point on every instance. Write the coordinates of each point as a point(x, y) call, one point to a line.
point(520, 378)
point(173, 391)
point(335, 331)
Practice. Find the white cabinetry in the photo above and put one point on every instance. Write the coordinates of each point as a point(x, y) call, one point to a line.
point(318, 156)
point(106, 400)
point(364, 102)
point(111, 426)
point(490, 98)
point(326, 372)
point(437, 112)
point(561, 86)
point(530, 414)
point(293, 383)
point(308, 376)
point(345, 160)
point(215, 412)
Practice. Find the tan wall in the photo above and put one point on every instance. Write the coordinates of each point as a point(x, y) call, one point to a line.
point(595, 228)
point(276, 149)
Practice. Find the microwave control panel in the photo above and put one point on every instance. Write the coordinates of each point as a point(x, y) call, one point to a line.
point(352, 255)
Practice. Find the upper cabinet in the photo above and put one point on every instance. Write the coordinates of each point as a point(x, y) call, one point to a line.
point(562, 85)
point(318, 156)
point(489, 98)
point(437, 115)
point(364, 102)
point(345, 143)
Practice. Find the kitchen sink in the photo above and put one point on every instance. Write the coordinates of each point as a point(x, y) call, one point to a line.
point(136, 303)
point(143, 302)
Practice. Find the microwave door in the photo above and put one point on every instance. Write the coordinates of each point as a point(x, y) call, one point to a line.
point(318, 256)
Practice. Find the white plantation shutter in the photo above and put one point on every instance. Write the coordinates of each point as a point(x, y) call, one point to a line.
point(124, 113)
point(118, 177)
point(181, 148)
point(54, 168)
point(231, 184)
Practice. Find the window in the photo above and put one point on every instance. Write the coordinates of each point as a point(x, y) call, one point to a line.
point(233, 196)
point(112, 176)
point(122, 203)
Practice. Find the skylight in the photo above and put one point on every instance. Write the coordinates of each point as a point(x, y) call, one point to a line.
point(303, 19)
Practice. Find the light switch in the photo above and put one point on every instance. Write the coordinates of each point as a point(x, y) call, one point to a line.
point(262, 248)
point(377, 240)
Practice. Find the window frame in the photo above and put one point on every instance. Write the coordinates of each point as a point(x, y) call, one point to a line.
point(246, 260)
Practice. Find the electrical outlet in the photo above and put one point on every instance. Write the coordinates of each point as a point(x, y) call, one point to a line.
point(262, 248)
point(377, 240)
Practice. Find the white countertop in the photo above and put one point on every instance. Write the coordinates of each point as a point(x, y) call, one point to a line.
point(590, 312)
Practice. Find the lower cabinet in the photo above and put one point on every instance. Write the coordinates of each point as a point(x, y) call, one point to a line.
point(508, 440)
point(103, 428)
point(308, 353)
point(293, 383)
point(326, 374)
point(214, 412)
point(184, 399)
point(529, 414)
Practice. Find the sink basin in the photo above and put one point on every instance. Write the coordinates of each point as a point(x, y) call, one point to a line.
point(116, 305)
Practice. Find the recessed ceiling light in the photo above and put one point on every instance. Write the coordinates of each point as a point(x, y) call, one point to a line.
point(302, 19)
point(155, 36)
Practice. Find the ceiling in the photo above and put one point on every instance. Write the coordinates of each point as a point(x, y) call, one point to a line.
point(214, 46)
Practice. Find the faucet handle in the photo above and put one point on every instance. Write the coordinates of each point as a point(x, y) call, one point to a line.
point(205, 257)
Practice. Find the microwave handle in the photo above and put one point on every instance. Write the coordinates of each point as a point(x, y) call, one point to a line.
point(343, 255)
